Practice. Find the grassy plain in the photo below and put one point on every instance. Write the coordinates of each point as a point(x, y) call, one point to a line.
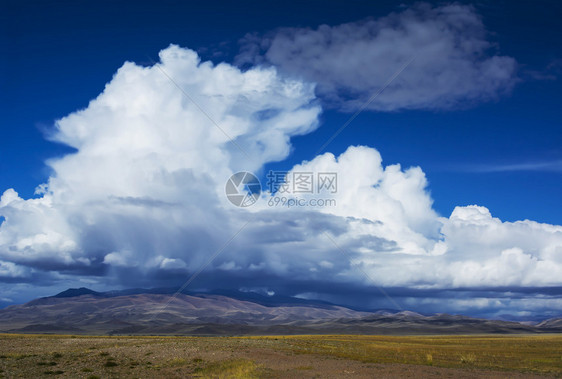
point(281, 356)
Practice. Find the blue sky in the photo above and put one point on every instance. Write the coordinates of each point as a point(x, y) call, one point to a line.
point(502, 151)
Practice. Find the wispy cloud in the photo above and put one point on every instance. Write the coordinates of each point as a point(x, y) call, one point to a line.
point(455, 66)
point(544, 166)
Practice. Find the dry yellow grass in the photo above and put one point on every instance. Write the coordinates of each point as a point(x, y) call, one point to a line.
point(528, 353)
point(276, 356)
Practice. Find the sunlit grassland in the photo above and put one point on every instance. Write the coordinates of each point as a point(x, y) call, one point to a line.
point(247, 357)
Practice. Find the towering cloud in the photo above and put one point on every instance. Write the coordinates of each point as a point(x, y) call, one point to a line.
point(145, 183)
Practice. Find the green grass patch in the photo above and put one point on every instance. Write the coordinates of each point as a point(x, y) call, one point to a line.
point(236, 368)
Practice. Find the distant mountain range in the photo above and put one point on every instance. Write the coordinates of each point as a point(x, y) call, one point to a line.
point(160, 312)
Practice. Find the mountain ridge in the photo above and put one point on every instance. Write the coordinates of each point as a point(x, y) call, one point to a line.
point(164, 312)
